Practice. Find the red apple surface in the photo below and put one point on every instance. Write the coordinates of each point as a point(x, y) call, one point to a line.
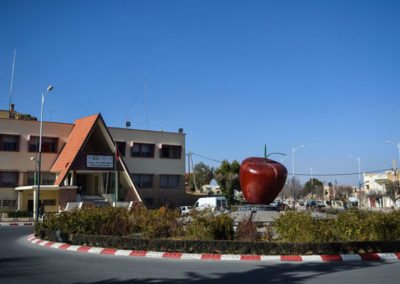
point(261, 179)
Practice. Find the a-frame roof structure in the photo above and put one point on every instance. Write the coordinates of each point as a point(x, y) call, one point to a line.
point(75, 142)
point(77, 139)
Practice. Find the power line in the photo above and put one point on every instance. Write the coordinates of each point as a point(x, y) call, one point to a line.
point(345, 174)
point(207, 158)
point(320, 175)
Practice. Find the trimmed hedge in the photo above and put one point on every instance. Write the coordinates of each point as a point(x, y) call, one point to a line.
point(19, 214)
point(351, 225)
point(221, 246)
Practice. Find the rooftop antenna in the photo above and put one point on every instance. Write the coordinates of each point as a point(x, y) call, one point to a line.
point(147, 102)
point(12, 80)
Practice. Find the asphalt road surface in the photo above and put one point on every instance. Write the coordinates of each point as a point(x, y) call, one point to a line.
point(23, 262)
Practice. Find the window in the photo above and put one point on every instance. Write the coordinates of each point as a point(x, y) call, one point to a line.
point(9, 142)
point(170, 152)
point(49, 145)
point(47, 178)
point(10, 203)
point(169, 181)
point(49, 202)
point(121, 148)
point(142, 150)
point(8, 179)
point(143, 180)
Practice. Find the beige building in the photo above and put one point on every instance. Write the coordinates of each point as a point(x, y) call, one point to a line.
point(79, 163)
point(12, 113)
point(333, 193)
point(375, 189)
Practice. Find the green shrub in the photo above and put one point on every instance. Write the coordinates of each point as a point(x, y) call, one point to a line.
point(111, 221)
point(19, 214)
point(161, 223)
point(351, 225)
point(101, 221)
point(207, 226)
point(302, 227)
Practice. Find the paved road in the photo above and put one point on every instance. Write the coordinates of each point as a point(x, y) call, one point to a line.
point(22, 262)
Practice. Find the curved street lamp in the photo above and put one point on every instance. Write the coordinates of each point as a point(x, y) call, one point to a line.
point(39, 162)
point(398, 145)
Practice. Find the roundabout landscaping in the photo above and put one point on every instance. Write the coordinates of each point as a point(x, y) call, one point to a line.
point(222, 257)
point(298, 236)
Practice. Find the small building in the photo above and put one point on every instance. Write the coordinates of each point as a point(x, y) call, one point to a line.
point(80, 163)
point(375, 189)
point(212, 188)
point(336, 195)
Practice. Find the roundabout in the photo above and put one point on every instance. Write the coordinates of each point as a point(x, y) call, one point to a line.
point(23, 262)
point(221, 257)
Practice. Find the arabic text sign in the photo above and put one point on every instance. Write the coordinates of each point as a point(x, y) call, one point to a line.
point(96, 161)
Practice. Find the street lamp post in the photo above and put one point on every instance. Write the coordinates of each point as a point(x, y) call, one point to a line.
point(398, 146)
point(44, 95)
point(35, 172)
point(294, 149)
point(359, 177)
point(359, 171)
point(312, 186)
point(282, 196)
point(394, 164)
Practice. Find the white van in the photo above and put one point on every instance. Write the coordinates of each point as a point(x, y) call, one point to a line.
point(213, 203)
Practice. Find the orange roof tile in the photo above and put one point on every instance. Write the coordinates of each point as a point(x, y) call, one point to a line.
point(76, 139)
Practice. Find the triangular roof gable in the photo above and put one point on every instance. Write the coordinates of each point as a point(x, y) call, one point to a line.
point(75, 142)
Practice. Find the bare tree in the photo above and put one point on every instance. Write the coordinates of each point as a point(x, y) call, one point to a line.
point(393, 191)
point(293, 187)
point(342, 193)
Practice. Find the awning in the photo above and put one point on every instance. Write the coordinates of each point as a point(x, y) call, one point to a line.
point(44, 187)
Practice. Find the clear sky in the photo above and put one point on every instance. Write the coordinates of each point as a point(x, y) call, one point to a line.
point(234, 74)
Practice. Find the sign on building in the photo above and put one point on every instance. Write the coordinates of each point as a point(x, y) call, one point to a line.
point(97, 161)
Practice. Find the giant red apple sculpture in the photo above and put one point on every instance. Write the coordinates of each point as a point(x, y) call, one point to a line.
point(261, 179)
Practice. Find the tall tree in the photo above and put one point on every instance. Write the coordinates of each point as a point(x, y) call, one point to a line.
point(227, 177)
point(316, 187)
point(294, 187)
point(204, 174)
point(393, 191)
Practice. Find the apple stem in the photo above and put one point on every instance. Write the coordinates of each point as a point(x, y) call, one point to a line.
point(266, 156)
point(265, 153)
point(275, 154)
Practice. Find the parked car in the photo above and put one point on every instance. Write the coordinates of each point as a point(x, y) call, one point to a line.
point(213, 203)
point(280, 206)
point(185, 209)
point(315, 203)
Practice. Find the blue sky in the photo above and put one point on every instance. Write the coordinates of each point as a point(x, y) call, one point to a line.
point(234, 74)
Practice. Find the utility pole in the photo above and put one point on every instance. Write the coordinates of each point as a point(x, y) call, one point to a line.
point(194, 176)
point(188, 166)
point(12, 81)
point(147, 103)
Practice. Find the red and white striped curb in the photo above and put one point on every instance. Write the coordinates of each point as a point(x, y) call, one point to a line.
point(16, 224)
point(171, 255)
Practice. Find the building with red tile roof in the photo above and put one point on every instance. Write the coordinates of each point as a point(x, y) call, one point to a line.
point(79, 163)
